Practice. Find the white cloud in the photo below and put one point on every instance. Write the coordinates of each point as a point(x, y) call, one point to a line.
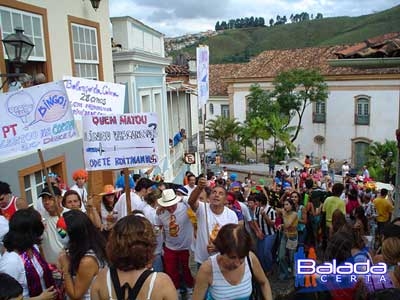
point(178, 17)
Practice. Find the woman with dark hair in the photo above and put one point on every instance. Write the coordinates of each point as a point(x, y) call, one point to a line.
point(289, 237)
point(85, 255)
point(227, 274)
point(23, 261)
point(71, 200)
point(108, 215)
point(130, 250)
point(361, 221)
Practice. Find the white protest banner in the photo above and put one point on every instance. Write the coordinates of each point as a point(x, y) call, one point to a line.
point(35, 117)
point(202, 58)
point(92, 97)
point(120, 141)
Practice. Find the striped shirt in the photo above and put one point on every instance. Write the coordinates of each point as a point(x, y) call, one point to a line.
point(265, 228)
point(223, 290)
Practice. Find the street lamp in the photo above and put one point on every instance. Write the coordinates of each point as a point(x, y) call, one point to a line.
point(95, 4)
point(18, 49)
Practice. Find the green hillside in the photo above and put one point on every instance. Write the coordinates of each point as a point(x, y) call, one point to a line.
point(238, 45)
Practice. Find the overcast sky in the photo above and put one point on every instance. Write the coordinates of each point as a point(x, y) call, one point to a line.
point(178, 17)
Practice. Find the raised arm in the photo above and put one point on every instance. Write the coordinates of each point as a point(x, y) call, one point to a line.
point(194, 196)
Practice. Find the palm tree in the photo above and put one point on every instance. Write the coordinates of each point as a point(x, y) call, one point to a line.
point(221, 130)
point(257, 128)
point(381, 160)
point(280, 132)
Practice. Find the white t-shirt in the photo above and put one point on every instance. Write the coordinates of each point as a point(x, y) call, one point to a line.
point(83, 193)
point(190, 190)
point(151, 213)
point(3, 228)
point(51, 245)
point(177, 227)
point(215, 222)
point(324, 164)
point(12, 264)
point(136, 204)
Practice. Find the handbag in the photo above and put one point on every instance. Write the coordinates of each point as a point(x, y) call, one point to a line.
point(291, 244)
point(256, 293)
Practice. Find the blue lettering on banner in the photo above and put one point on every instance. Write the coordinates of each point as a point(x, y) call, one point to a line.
point(105, 90)
point(134, 160)
point(51, 101)
point(61, 127)
point(100, 162)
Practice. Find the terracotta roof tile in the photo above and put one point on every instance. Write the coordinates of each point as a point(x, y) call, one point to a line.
point(270, 63)
point(177, 70)
point(387, 45)
point(217, 72)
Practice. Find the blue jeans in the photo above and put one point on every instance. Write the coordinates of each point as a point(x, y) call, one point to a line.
point(284, 262)
point(264, 252)
point(158, 265)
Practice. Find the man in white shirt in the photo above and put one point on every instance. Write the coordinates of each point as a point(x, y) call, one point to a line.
point(51, 244)
point(178, 232)
point(191, 183)
point(142, 188)
point(324, 164)
point(210, 218)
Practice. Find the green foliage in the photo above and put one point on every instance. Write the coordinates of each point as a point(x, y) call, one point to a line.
point(233, 153)
point(382, 160)
point(311, 33)
point(222, 130)
point(296, 89)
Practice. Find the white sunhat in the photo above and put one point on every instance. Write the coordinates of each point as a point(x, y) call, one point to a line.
point(168, 198)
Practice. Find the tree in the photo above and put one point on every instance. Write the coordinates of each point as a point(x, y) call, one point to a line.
point(295, 90)
point(217, 26)
point(257, 129)
point(319, 16)
point(381, 160)
point(271, 22)
point(261, 22)
point(224, 25)
point(221, 130)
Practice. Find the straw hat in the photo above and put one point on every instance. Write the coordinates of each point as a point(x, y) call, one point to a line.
point(109, 189)
point(168, 198)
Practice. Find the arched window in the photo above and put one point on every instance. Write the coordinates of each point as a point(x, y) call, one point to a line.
point(362, 110)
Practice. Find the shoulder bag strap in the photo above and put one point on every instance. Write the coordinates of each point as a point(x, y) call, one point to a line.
point(138, 285)
point(117, 286)
point(251, 268)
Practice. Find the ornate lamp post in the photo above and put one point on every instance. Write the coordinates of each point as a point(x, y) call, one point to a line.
point(18, 49)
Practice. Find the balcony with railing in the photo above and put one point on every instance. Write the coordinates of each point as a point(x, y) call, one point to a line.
point(319, 118)
point(361, 119)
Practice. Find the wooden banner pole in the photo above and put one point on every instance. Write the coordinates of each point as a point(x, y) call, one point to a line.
point(46, 174)
point(127, 191)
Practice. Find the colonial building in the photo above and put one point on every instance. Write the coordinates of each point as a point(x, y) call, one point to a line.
point(363, 102)
point(140, 63)
point(70, 38)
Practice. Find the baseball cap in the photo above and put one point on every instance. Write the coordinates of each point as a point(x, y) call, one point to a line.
point(181, 189)
point(46, 191)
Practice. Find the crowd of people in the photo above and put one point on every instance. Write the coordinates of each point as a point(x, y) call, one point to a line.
point(210, 237)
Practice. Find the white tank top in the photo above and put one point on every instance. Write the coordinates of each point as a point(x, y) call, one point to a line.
point(222, 289)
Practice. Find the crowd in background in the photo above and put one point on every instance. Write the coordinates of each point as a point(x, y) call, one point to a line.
point(234, 232)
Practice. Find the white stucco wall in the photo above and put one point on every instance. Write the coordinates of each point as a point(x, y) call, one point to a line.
point(57, 12)
point(134, 35)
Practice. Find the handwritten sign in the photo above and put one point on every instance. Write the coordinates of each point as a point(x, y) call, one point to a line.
point(35, 117)
point(91, 97)
point(120, 141)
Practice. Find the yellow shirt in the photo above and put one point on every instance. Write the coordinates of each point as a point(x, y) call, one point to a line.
point(330, 205)
point(383, 208)
point(290, 221)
